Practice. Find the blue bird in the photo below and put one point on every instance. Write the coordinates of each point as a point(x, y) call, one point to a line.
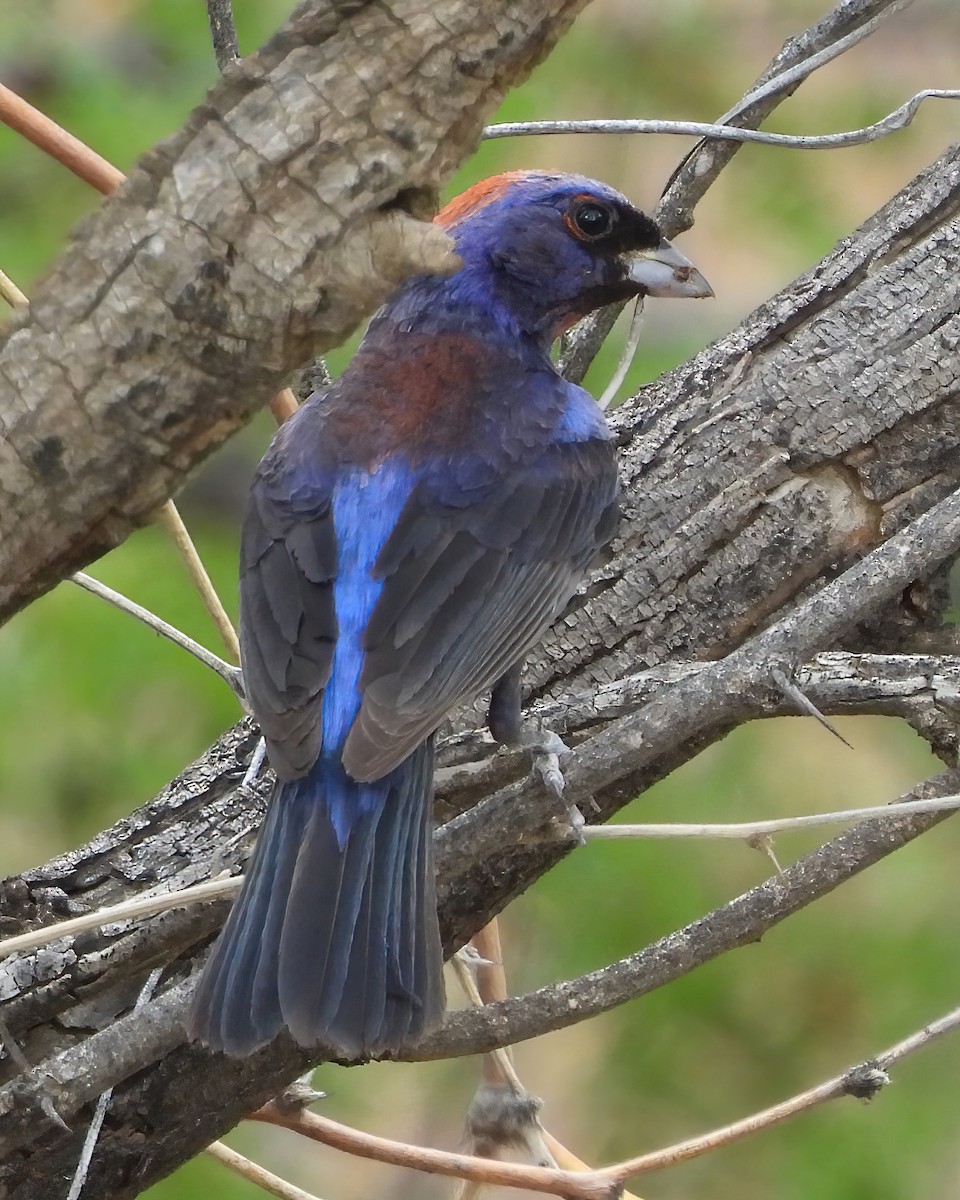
point(411, 533)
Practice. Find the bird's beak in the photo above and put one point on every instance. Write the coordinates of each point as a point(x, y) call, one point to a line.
point(664, 271)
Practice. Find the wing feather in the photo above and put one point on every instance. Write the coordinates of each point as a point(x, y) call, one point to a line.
point(288, 624)
point(469, 587)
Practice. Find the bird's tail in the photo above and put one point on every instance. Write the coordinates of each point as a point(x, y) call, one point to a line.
point(334, 934)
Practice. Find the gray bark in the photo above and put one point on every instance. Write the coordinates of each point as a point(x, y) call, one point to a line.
point(791, 490)
point(260, 233)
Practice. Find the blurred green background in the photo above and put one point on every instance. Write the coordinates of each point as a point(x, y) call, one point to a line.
point(97, 714)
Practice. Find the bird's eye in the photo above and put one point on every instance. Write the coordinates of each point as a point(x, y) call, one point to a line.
point(591, 220)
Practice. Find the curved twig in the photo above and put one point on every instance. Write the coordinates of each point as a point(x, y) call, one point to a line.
point(863, 1082)
point(899, 119)
point(230, 674)
point(576, 1185)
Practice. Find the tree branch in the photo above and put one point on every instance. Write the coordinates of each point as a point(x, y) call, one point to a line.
point(738, 923)
point(261, 232)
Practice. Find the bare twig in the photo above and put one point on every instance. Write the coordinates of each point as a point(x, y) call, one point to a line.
point(103, 1103)
point(698, 171)
point(169, 518)
point(497, 1065)
point(12, 294)
point(739, 922)
point(848, 24)
point(627, 356)
point(863, 1081)
point(223, 32)
point(578, 1186)
point(140, 906)
point(785, 80)
point(230, 674)
point(49, 137)
point(498, 1070)
point(256, 1174)
point(893, 122)
point(755, 829)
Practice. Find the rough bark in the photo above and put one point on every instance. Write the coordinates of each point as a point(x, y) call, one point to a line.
point(822, 426)
point(261, 232)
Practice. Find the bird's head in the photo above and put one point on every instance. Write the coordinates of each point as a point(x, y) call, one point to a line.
point(550, 248)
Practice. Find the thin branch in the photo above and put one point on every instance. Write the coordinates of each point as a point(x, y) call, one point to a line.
point(863, 1081)
point(128, 910)
point(169, 518)
point(627, 356)
point(590, 1185)
point(753, 829)
point(256, 1174)
point(103, 1103)
point(512, 1123)
point(847, 25)
point(739, 922)
point(223, 32)
point(12, 294)
point(899, 119)
point(53, 140)
point(503, 1070)
point(700, 168)
point(230, 674)
point(785, 80)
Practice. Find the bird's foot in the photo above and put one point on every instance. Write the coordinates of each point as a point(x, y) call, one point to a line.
point(549, 753)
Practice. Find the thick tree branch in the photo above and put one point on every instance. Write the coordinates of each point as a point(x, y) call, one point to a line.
point(915, 687)
point(260, 233)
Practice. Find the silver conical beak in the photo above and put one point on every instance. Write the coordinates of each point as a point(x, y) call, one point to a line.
point(665, 272)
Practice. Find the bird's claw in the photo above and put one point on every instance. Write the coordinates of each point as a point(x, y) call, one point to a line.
point(471, 957)
point(550, 752)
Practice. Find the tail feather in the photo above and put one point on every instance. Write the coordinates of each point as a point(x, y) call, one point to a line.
point(334, 935)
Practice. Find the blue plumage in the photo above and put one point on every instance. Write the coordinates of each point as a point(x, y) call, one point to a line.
point(410, 535)
point(366, 507)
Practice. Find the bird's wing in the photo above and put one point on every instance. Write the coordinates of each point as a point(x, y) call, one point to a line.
point(478, 565)
point(288, 625)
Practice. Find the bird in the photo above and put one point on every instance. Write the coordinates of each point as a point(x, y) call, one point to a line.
point(411, 532)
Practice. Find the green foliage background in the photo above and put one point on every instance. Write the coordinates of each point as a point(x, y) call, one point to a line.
point(96, 713)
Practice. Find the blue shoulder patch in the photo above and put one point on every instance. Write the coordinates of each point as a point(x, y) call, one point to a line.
point(366, 507)
point(582, 418)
